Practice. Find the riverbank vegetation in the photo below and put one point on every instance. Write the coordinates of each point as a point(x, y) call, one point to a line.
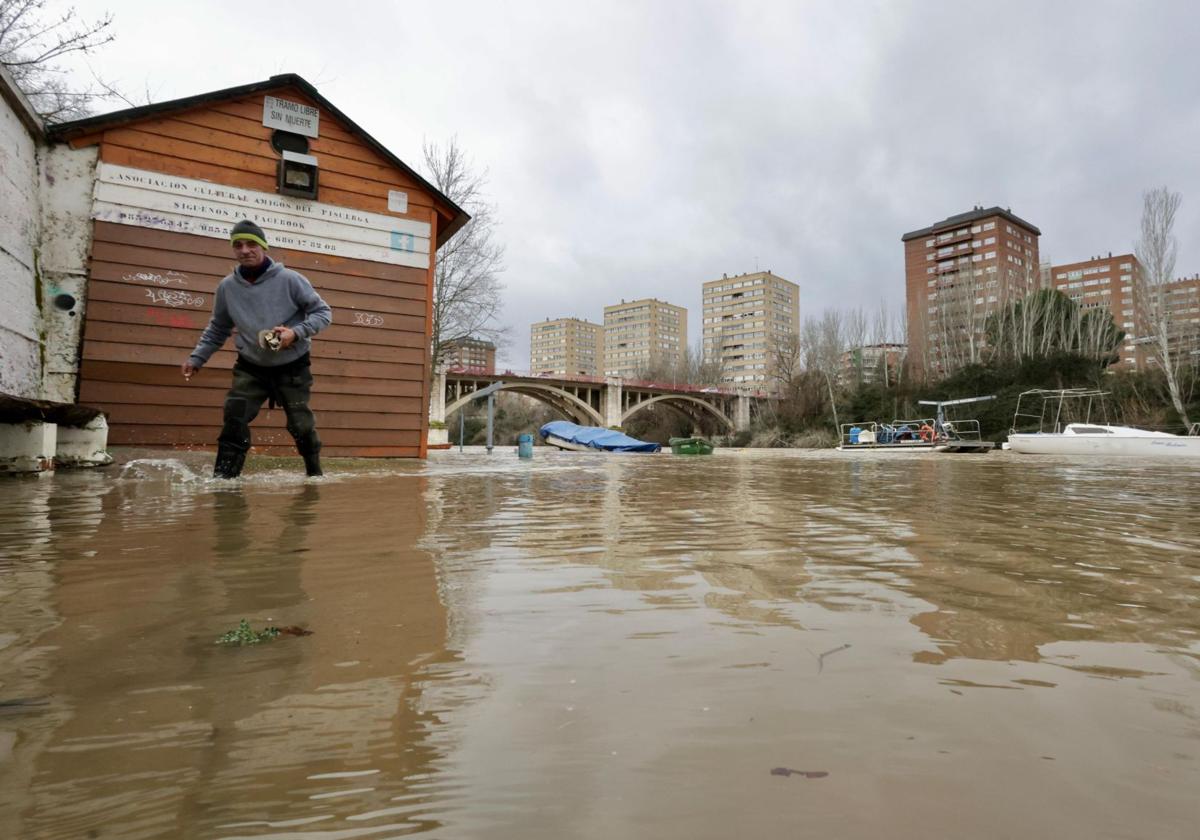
point(1050, 343)
point(1044, 340)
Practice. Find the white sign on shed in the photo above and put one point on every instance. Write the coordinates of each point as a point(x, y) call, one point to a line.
point(398, 201)
point(137, 197)
point(291, 116)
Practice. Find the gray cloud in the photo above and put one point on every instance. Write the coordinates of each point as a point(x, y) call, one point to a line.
point(638, 149)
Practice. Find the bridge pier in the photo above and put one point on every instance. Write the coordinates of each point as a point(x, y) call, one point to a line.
point(741, 412)
point(611, 402)
point(437, 397)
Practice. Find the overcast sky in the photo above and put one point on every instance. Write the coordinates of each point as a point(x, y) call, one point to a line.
point(637, 149)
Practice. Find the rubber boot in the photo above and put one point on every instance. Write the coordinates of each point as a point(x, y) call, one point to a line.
point(229, 462)
point(312, 462)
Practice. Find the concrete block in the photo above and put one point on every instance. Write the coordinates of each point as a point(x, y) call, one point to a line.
point(83, 446)
point(438, 437)
point(27, 447)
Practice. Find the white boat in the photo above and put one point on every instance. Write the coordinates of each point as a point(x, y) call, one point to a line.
point(1057, 436)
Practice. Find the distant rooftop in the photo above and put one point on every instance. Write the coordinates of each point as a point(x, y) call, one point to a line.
point(641, 300)
point(469, 341)
point(972, 215)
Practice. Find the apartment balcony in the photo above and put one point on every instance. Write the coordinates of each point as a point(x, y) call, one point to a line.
point(953, 240)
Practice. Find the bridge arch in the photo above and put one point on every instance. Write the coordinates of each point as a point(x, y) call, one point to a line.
point(677, 398)
point(556, 398)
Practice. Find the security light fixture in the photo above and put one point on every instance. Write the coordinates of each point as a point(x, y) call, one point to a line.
point(298, 175)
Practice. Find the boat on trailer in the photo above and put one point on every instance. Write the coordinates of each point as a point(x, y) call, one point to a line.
point(926, 434)
point(1065, 426)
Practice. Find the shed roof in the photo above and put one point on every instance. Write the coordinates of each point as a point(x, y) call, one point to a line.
point(76, 128)
point(16, 99)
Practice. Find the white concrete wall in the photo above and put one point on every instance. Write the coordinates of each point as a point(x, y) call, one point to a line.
point(20, 316)
point(67, 177)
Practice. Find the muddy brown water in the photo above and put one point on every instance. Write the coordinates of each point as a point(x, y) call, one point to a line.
point(754, 644)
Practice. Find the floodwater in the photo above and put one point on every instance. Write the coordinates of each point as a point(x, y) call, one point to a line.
point(755, 644)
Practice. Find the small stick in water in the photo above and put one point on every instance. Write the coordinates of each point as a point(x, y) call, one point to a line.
point(821, 657)
point(808, 774)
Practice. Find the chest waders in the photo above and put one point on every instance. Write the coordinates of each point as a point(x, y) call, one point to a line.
point(289, 386)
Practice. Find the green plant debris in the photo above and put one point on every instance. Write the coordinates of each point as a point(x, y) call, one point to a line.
point(247, 635)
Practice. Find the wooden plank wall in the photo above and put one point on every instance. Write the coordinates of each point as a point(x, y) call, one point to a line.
point(372, 376)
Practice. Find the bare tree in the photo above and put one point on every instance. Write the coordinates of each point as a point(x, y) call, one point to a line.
point(1156, 251)
point(920, 333)
point(468, 292)
point(696, 369)
point(901, 333)
point(882, 336)
point(783, 360)
point(32, 46)
point(822, 344)
point(856, 336)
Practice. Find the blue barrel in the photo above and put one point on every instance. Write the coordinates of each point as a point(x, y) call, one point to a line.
point(525, 446)
point(855, 431)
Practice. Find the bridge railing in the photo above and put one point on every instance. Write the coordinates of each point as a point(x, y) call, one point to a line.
point(685, 386)
point(523, 374)
point(660, 385)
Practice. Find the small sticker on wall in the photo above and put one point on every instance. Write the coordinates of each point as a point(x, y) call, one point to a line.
point(397, 201)
point(403, 242)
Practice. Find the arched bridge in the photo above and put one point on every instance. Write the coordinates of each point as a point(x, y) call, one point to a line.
point(598, 401)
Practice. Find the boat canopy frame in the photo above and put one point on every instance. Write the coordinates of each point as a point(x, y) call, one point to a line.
point(1052, 402)
point(940, 423)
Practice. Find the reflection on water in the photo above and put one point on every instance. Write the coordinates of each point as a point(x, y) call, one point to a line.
point(592, 646)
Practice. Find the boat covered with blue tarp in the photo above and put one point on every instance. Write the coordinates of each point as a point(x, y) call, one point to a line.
point(566, 435)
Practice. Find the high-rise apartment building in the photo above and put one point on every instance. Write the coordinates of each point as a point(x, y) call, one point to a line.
point(1180, 312)
point(746, 320)
point(958, 272)
point(642, 336)
point(476, 355)
point(871, 363)
point(1108, 283)
point(566, 347)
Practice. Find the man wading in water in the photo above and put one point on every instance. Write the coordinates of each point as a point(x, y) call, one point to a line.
point(276, 312)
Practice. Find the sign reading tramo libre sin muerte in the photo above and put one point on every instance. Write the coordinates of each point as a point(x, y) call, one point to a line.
point(291, 116)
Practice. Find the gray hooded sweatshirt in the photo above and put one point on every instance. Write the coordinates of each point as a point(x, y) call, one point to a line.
point(278, 296)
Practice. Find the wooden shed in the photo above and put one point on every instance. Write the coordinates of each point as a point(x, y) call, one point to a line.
point(170, 181)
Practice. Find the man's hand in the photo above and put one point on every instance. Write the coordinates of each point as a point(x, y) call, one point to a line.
point(188, 369)
point(287, 336)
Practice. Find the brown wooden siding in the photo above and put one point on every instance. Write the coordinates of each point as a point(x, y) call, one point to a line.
point(370, 386)
point(228, 144)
